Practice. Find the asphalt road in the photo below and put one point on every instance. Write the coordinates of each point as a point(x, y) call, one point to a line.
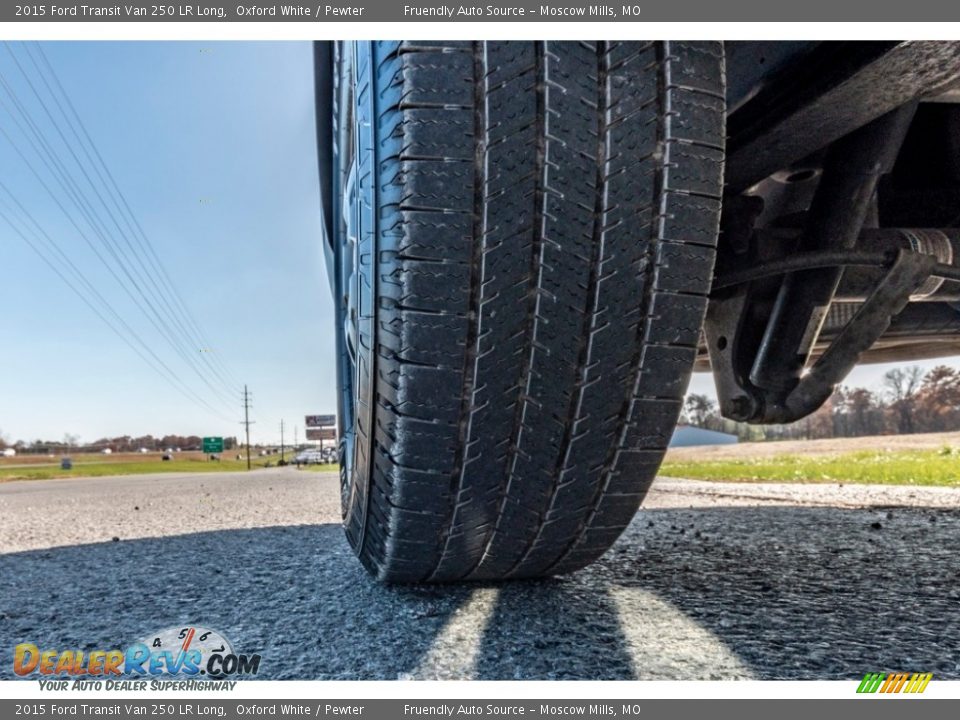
point(711, 581)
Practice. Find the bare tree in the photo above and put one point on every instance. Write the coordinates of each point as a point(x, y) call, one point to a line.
point(903, 383)
point(699, 409)
point(70, 439)
point(863, 409)
point(902, 386)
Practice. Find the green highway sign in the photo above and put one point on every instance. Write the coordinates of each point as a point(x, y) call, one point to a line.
point(213, 444)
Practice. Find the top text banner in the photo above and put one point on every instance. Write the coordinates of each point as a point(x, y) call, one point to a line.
point(569, 11)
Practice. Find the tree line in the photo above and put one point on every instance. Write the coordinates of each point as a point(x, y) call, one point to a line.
point(122, 443)
point(907, 401)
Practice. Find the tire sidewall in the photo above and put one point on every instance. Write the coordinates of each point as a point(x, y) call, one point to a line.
point(355, 245)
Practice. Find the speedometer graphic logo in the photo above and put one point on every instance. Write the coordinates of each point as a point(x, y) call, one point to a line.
point(190, 650)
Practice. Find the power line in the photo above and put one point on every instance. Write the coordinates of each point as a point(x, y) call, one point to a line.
point(140, 235)
point(144, 264)
point(66, 260)
point(247, 422)
point(164, 290)
point(85, 206)
point(163, 370)
point(67, 214)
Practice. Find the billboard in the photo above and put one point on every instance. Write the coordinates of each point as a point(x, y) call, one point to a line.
point(327, 433)
point(313, 421)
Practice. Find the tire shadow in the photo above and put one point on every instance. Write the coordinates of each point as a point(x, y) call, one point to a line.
point(553, 630)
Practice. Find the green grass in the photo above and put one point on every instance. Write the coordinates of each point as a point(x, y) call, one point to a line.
point(101, 468)
point(907, 467)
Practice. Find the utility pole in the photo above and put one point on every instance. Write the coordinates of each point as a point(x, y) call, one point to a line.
point(295, 443)
point(281, 440)
point(246, 420)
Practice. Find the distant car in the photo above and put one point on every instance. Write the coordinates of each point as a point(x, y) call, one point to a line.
point(310, 457)
point(66, 464)
point(167, 456)
point(143, 450)
point(9, 452)
point(106, 451)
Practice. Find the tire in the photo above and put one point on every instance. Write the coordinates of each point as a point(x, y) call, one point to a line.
point(525, 237)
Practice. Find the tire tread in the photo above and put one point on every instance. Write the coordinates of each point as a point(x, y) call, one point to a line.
point(546, 237)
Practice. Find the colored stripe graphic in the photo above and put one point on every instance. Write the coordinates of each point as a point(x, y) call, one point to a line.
point(895, 683)
point(918, 683)
point(870, 683)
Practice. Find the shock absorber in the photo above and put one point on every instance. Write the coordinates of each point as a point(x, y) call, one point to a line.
point(851, 171)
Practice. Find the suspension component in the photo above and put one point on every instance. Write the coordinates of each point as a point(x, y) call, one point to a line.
point(864, 265)
point(850, 174)
point(760, 335)
point(883, 271)
point(909, 273)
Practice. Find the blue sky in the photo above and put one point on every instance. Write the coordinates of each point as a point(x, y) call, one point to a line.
point(213, 146)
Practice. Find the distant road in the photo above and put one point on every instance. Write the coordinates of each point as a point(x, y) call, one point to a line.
point(710, 581)
point(830, 446)
point(84, 510)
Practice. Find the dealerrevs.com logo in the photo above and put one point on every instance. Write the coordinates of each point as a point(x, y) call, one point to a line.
point(191, 652)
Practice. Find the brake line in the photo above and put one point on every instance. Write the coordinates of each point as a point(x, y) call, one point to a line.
point(827, 258)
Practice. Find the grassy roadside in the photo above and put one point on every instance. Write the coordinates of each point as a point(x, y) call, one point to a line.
point(905, 467)
point(131, 464)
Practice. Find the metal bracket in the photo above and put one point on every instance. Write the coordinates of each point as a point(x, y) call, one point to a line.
point(761, 335)
point(908, 273)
